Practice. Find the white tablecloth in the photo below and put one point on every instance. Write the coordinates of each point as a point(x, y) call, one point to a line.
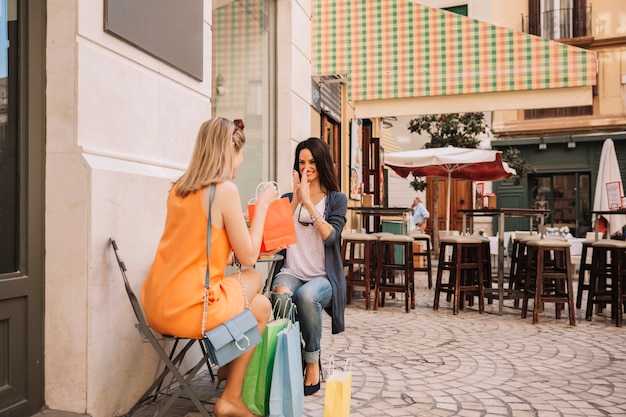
point(577, 246)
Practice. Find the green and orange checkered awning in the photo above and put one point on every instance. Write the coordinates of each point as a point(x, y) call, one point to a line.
point(399, 50)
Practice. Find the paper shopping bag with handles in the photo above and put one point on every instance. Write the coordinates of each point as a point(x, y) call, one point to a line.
point(338, 390)
point(287, 388)
point(279, 230)
point(256, 384)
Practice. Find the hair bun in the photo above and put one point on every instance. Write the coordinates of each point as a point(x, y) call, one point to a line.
point(239, 124)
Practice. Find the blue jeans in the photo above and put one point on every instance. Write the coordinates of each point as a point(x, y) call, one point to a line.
point(310, 298)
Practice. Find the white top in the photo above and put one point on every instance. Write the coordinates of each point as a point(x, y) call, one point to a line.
point(306, 259)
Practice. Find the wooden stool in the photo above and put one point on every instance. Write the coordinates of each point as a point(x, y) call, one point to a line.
point(422, 255)
point(357, 251)
point(518, 264)
point(606, 280)
point(486, 261)
point(583, 283)
point(548, 279)
point(466, 271)
point(387, 267)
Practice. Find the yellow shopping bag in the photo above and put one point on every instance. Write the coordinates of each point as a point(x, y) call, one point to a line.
point(338, 390)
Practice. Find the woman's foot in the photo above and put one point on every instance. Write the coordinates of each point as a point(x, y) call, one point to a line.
point(224, 408)
point(311, 378)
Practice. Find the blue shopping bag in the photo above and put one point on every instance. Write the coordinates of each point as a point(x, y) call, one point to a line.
point(287, 388)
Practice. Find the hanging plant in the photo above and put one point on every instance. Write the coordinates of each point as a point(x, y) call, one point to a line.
point(418, 184)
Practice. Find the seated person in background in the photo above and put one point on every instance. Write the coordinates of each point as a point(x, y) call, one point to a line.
point(420, 214)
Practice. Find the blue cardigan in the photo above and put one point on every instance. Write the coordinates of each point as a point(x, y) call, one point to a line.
point(335, 215)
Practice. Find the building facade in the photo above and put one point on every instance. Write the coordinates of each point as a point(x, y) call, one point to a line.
point(102, 100)
point(563, 144)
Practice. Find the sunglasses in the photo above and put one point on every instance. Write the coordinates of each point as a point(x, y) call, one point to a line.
point(308, 220)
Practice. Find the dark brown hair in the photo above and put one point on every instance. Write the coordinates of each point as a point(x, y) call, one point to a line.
point(323, 161)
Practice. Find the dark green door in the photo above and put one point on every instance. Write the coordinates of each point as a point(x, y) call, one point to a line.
point(22, 115)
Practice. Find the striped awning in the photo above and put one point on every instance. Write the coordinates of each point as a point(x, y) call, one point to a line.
point(402, 51)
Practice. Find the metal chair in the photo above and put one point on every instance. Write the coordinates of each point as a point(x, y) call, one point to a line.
point(172, 361)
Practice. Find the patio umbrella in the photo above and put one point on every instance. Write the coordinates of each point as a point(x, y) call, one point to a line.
point(459, 163)
point(609, 173)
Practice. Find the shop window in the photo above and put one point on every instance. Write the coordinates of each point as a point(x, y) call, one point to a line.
point(242, 82)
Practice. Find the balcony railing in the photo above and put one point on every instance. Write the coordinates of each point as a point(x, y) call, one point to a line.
point(559, 23)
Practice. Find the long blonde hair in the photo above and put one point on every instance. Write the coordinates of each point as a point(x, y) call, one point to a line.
point(211, 161)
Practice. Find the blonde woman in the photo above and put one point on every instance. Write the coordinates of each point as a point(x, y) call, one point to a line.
point(173, 293)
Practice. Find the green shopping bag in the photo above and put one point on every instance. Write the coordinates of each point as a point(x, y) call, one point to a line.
point(258, 378)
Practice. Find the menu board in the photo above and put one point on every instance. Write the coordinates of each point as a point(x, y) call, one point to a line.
point(614, 194)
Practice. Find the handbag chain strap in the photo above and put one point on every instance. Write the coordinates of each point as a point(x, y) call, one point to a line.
point(208, 260)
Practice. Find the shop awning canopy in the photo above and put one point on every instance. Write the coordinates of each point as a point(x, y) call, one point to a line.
point(403, 58)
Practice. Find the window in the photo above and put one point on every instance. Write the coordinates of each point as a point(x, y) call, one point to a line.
point(243, 79)
point(568, 196)
point(558, 19)
point(10, 158)
point(462, 10)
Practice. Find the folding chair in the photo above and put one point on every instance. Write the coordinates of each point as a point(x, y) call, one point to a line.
point(172, 361)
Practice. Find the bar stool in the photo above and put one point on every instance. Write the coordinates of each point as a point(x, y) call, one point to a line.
point(548, 279)
point(357, 251)
point(518, 264)
point(606, 280)
point(583, 283)
point(388, 266)
point(486, 263)
point(465, 268)
point(422, 254)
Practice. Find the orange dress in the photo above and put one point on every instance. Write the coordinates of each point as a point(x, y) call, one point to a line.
point(172, 295)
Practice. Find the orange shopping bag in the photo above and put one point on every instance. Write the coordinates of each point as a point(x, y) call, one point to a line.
point(279, 230)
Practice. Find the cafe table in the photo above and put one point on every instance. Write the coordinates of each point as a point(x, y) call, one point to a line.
point(371, 217)
point(272, 261)
point(503, 213)
point(599, 213)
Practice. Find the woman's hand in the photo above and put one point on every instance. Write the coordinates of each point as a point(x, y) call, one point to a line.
point(268, 195)
point(303, 191)
point(296, 189)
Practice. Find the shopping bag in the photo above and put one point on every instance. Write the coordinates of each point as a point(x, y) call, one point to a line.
point(338, 390)
point(256, 384)
point(279, 230)
point(287, 388)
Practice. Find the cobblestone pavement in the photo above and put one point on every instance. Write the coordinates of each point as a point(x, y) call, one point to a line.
point(434, 363)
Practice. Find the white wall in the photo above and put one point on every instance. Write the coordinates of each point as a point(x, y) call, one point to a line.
point(120, 126)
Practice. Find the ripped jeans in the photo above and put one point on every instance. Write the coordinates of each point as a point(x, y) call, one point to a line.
point(310, 298)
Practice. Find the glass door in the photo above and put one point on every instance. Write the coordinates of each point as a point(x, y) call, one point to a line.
point(567, 196)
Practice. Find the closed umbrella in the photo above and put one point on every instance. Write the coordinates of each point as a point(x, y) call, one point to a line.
point(451, 162)
point(608, 173)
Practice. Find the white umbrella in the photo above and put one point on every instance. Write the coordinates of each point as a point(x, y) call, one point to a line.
point(460, 163)
point(608, 173)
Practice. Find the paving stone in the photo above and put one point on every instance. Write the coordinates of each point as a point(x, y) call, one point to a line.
point(435, 363)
